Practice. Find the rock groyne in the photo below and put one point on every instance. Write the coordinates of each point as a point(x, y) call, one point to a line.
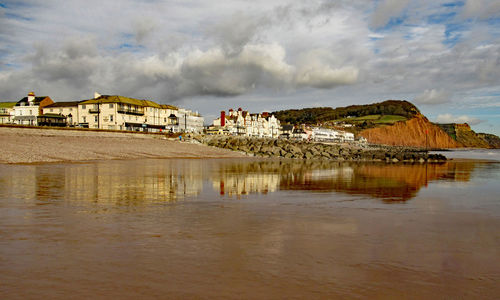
point(267, 147)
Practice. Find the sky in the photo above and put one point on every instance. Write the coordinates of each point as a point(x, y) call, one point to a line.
point(261, 55)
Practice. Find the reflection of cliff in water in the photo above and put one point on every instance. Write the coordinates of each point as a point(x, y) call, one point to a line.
point(390, 182)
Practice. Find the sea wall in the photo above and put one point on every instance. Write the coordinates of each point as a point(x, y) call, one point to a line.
point(266, 147)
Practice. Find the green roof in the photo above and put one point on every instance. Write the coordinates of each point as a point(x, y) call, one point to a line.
point(121, 99)
point(168, 106)
point(7, 104)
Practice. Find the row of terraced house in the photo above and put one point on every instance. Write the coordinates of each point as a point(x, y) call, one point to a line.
point(241, 122)
point(102, 112)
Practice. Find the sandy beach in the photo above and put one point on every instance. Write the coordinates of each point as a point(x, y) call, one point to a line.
point(30, 145)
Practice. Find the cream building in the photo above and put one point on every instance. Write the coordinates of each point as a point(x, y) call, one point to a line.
point(67, 109)
point(7, 112)
point(123, 113)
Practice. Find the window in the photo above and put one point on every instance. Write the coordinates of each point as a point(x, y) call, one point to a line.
point(31, 112)
point(111, 118)
point(96, 119)
point(83, 106)
point(165, 120)
point(111, 106)
point(84, 119)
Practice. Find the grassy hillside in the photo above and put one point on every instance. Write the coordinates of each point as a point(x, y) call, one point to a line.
point(376, 119)
point(463, 134)
point(386, 112)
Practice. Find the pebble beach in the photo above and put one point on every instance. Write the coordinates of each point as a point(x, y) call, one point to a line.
point(32, 145)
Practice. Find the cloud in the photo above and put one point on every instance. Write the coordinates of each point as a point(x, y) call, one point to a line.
point(77, 66)
point(386, 10)
point(320, 68)
point(215, 72)
point(143, 28)
point(449, 118)
point(432, 97)
point(233, 33)
point(481, 9)
point(73, 64)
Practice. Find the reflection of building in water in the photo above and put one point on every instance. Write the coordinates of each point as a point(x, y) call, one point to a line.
point(150, 181)
point(344, 173)
point(233, 184)
point(130, 183)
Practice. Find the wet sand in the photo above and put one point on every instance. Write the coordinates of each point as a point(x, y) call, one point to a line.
point(30, 145)
point(249, 229)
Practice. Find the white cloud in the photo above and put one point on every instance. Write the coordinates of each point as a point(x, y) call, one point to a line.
point(386, 10)
point(449, 118)
point(433, 96)
point(481, 9)
point(321, 68)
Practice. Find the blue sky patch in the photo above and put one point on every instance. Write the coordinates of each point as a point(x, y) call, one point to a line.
point(454, 4)
point(441, 18)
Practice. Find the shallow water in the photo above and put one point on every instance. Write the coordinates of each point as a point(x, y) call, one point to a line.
point(477, 154)
point(249, 229)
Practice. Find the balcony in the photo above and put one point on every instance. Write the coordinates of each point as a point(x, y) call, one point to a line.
point(136, 112)
point(94, 111)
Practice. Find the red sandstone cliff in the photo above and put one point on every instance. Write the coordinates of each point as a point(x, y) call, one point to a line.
point(417, 132)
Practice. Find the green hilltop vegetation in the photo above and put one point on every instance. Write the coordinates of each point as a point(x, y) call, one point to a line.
point(387, 112)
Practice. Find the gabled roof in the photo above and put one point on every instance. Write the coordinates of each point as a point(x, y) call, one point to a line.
point(120, 99)
point(7, 104)
point(63, 104)
point(36, 101)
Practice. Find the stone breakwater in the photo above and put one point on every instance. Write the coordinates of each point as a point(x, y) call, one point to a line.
point(266, 147)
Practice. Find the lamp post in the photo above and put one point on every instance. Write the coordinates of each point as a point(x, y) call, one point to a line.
point(427, 139)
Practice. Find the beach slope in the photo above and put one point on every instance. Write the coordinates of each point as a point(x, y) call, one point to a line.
point(30, 145)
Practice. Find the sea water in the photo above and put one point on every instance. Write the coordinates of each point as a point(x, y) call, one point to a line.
point(477, 154)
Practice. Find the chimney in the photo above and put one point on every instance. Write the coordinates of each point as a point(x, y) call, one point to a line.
point(31, 97)
point(222, 118)
point(96, 95)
